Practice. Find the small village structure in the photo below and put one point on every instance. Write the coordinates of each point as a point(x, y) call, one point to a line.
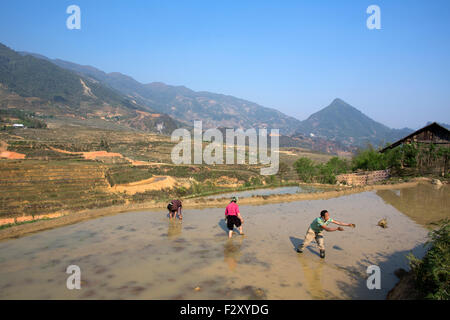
point(433, 133)
point(432, 143)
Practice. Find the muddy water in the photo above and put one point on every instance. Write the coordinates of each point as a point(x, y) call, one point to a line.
point(268, 191)
point(141, 255)
point(426, 204)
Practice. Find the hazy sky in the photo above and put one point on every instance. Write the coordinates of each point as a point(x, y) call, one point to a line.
point(295, 56)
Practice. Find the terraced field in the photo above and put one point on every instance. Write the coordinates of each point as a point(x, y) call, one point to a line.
point(32, 187)
point(71, 168)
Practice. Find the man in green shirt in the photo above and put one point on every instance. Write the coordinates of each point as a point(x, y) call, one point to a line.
point(315, 231)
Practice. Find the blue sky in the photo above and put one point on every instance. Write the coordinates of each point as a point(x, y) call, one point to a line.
point(295, 56)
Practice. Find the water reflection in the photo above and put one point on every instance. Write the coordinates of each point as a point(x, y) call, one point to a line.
point(175, 228)
point(313, 275)
point(232, 252)
point(425, 203)
point(311, 269)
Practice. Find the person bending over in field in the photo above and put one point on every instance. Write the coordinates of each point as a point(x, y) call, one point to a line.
point(315, 231)
point(174, 208)
point(233, 217)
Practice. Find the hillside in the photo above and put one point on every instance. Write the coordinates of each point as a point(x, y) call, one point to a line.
point(186, 105)
point(36, 85)
point(344, 123)
point(338, 127)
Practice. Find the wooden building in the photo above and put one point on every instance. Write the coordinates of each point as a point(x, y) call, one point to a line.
point(433, 133)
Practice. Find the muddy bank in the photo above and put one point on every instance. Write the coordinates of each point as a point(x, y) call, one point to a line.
point(404, 289)
point(68, 218)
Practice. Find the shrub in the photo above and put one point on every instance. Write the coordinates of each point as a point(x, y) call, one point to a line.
point(255, 181)
point(369, 159)
point(323, 173)
point(305, 168)
point(432, 273)
point(409, 154)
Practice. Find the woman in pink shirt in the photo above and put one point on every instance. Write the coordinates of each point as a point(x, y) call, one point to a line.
point(233, 217)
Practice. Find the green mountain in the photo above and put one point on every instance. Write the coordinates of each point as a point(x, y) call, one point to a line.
point(37, 85)
point(344, 123)
point(186, 105)
point(339, 123)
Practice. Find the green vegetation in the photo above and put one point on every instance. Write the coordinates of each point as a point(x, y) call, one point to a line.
point(305, 169)
point(404, 160)
point(369, 159)
point(32, 77)
point(308, 171)
point(126, 174)
point(202, 173)
point(254, 181)
point(8, 225)
point(36, 84)
point(327, 172)
point(432, 273)
point(413, 158)
point(26, 118)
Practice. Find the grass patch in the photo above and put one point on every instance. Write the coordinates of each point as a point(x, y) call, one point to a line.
point(127, 174)
point(9, 225)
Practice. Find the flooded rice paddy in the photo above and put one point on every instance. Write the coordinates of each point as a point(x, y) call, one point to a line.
point(425, 204)
point(141, 255)
point(267, 192)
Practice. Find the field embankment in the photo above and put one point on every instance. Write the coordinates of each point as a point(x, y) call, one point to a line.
point(70, 217)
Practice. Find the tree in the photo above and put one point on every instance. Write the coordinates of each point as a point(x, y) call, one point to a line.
point(305, 169)
point(369, 159)
point(409, 153)
point(337, 165)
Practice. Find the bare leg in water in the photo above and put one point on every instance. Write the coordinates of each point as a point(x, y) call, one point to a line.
point(230, 232)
